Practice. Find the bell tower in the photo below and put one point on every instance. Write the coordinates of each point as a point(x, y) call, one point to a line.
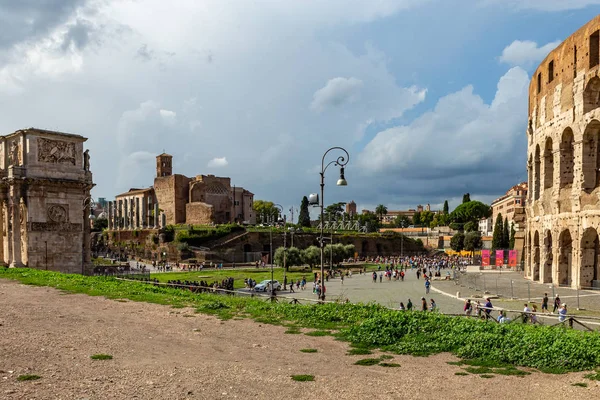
point(164, 165)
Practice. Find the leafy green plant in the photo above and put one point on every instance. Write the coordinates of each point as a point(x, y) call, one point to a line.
point(308, 350)
point(461, 373)
point(386, 364)
point(318, 333)
point(368, 361)
point(594, 376)
point(101, 357)
point(580, 384)
point(28, 377)
point(478, 370)
point(303, 378)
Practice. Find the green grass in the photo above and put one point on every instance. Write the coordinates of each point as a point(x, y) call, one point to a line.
point(303, 378)
point(318, 333)
point(309, 350)
point(580, 384)
point(368, 361)
point(28, 377)
point(461, 373)
point(478, 370)
point(359, 351)
point(392, 365)
point(292, 331)
point(101, 357)
point(487, 376)
point(511, 371)
point(364, 326)
point(593, 376)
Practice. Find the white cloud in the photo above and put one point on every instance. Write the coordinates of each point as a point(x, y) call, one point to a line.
point(526, 53)
point(217, 162)
point(167, 114)
point(337, 92)
point(460, 137)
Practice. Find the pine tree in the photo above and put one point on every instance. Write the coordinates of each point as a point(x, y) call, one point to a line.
point(446, 208)
point(466, 198)
point(511, 242)
point(498, 231)
point(505, 235)
point(304, 216)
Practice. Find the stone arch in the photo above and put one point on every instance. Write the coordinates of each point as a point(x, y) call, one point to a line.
point(589, 155)
point(590, 251)
point(591, 95)
point(548, 258)
point(567, 158)
point(247, 248)
point(536, 256)
point(536, 174)
point(565, 257)
point(528, 251)
point(548, 164)
point(530, 177)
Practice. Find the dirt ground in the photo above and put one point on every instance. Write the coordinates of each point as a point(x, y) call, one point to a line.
point(165, 353)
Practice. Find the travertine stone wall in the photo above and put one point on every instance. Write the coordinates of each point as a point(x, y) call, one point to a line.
point(563, 212)
point(172, 195)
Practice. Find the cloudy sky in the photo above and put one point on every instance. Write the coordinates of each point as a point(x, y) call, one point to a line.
point(428, 96)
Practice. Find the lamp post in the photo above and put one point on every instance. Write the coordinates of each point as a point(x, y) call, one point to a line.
point(280, 210)
point(341, 162)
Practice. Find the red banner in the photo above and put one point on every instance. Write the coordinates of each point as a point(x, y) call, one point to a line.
point(499, 258)
point(512, 258)
point(485, 258)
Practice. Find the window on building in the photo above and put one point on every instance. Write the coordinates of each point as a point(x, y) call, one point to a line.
point(539, 82)
point(551, 71)
point(594, 49)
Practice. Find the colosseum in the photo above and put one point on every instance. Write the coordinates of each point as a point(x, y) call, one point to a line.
point(563, 136)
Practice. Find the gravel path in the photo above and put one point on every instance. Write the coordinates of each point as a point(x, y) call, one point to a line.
point(165, 353)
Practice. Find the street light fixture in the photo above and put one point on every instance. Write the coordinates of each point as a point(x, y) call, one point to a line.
point(341, 162)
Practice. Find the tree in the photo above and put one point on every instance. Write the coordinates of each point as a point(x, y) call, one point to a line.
point(100, 224)
point(426, 218)
point(471, 226)
point(304, 216)
point(266, 211)
point(293, 257)
point(446, 208)
point(370, 221)
point(505, 234)
point(333, 211)
point(311, 256)
point(417, 219)
point(340, 252)
point(473, 241)
point(470, 211)
point(511, 242)
point(381, 210)
point(402, 221)
point(457, 243)
point(466, 198)
point(498, 232)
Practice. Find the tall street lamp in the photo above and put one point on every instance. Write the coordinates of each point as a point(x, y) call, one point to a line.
point(280, 210)
point(340, 162)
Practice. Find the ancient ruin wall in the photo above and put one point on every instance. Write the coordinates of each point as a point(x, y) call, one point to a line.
point(563, 135)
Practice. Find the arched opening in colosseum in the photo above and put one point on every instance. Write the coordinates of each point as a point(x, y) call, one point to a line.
point(529, 249)
point(536, 182)
point(591, 95)
point(530, 178)
point(547, 278)
point(536, 257)
point(590, 251)
point(589, 156)
point(566, 158)
point(548, 164)
point(565, 251)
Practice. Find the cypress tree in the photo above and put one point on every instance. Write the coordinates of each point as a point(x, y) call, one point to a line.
point(505, 235)
point(511, 244)
point(304, 216)
point(446, 209)
point(498, 231)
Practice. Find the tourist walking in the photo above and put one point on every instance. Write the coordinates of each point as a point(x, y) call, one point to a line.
point(427, 285)
point(545, 303)
point(432, 306)
point(468, 308)
point(423, 304)
point(556, 304)
point(409, 305)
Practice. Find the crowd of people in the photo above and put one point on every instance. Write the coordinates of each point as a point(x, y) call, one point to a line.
point(194, 286)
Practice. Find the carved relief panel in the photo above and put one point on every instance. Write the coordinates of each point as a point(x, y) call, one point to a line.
point(57, 212)
point(56, 151)
point(14, 153)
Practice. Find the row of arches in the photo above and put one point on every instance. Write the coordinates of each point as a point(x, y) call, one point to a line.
point(543, 159)
point(558, 263)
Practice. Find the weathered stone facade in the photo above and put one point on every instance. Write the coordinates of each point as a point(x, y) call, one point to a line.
point(201, 200)
point(45, 201)
point(563, 211)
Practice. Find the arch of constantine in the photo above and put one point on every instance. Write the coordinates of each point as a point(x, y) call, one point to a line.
point(563, 211)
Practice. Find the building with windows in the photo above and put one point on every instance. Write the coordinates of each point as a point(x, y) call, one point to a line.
point(178, 199)
point(513, 200)
point(486, 226)
point(563, 137)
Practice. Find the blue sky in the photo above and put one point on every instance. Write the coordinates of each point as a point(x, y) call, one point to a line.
point(429, 96)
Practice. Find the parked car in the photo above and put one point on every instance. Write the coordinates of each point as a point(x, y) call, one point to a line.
point(264, 286)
